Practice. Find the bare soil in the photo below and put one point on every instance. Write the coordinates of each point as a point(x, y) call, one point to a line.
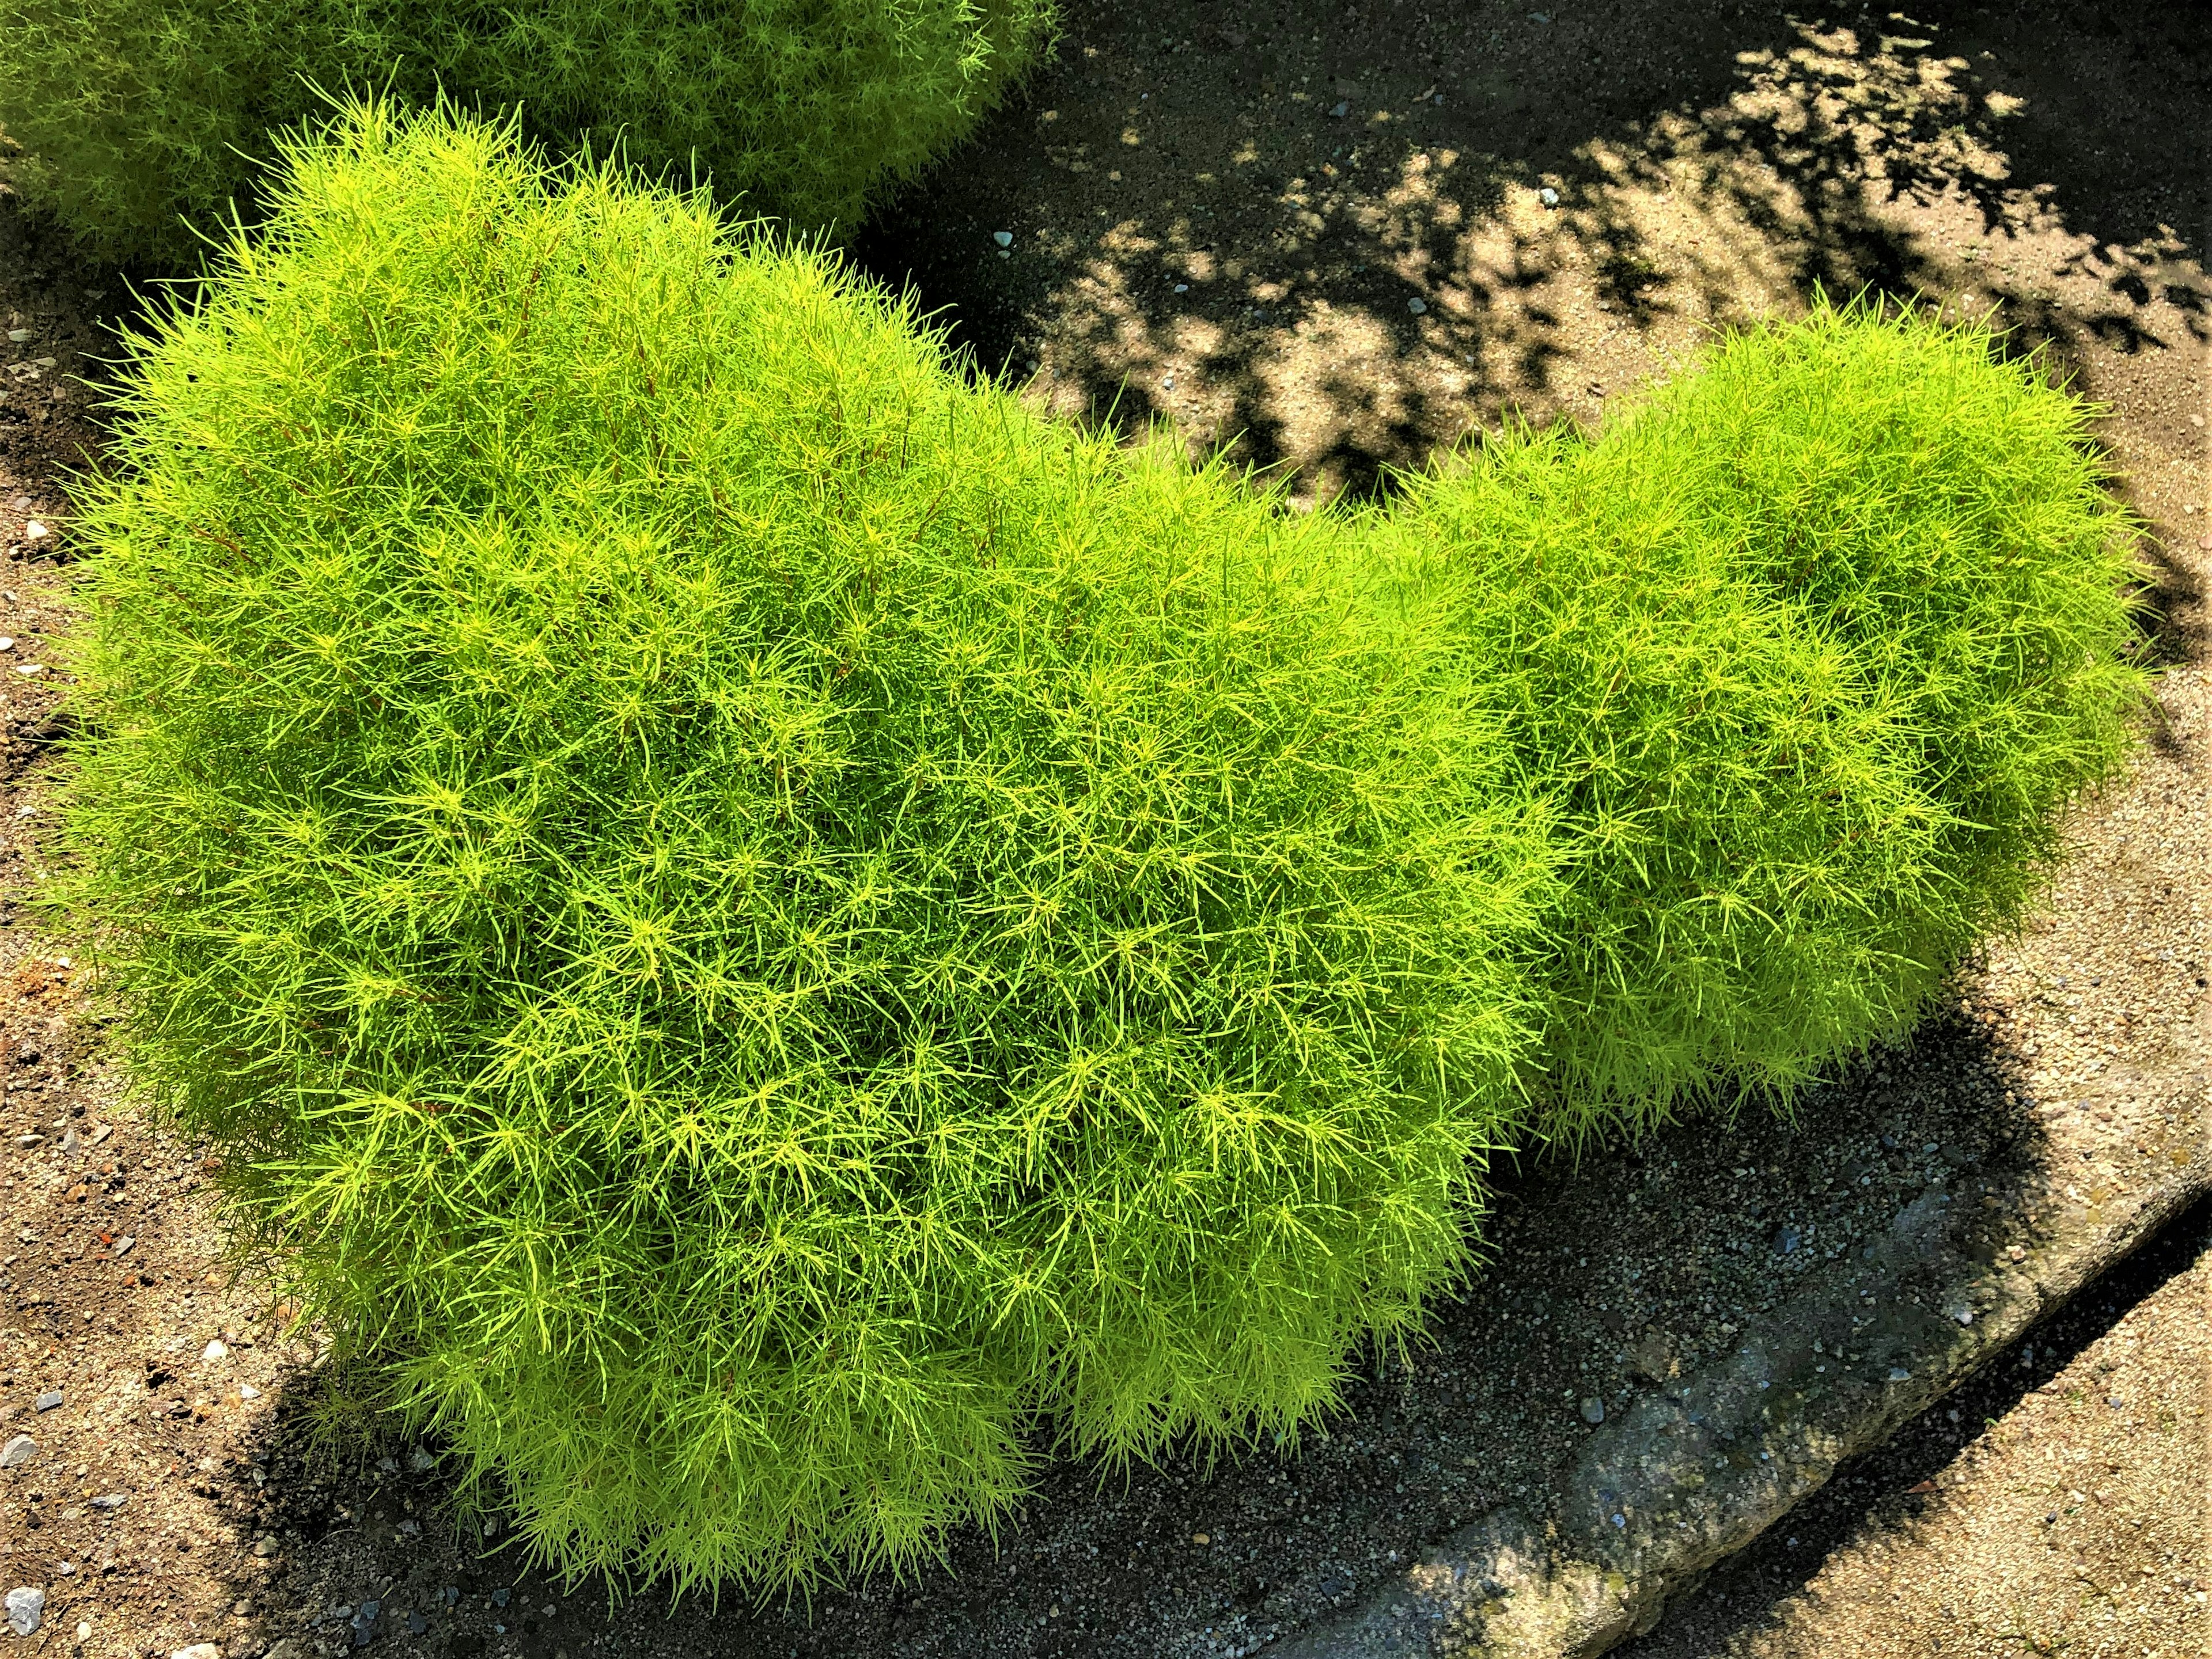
point(1710, 162)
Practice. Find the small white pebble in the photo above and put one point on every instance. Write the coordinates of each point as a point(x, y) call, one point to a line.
point(35, 531)
point(247, 1391)
point(215, 1350)
point(30, 668)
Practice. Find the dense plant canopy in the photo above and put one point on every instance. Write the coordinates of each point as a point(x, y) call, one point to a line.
point(755, 922)
point(141, 120)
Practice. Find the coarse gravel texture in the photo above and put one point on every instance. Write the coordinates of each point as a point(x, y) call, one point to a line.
point(1710, 162)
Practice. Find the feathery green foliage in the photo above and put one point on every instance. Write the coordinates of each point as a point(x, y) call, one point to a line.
point(752, 914)
point(1807, 653)
point(134, 112)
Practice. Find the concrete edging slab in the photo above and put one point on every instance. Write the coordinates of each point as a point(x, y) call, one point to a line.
point(1662, 1493)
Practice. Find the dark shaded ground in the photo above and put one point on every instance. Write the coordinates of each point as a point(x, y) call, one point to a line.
point(1710, 162)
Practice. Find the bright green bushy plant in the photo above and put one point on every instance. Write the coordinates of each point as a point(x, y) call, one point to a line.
point(144, 118)
point(753, 917)
point(1807, 653)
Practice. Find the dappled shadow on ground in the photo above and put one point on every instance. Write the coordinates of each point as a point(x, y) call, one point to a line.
point(1338, 244)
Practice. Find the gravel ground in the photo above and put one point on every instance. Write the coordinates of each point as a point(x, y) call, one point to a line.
point(1709, 162)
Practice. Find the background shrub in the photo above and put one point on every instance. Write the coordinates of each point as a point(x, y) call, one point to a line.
point(135, 112)
point(1805, 655)
point(749, 914)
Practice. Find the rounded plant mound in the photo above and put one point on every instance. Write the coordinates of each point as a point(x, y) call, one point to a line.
point(749, 915)
point(134, 112)
point(1806, 654)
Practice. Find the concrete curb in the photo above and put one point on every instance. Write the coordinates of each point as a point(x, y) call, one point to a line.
point(1683, 1479)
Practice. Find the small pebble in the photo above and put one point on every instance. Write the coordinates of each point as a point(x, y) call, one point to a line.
point(420, 1461)
point(1593, 1410)
point(1898, 1374)
point(1341, 109)
point(113, 1500)
point(17, 335)
point(84, 1630)
point(17, 1452)
point(215, 1350)
point(1548, 196)
point(198, 1651)
point(1419, 307)
point(1182, 288)
point(26, 1606)
point(30, 669)
point(417, 1625)
point(247, 1391)
point(1200, 1538)
point(1003, 238)
point(24, 1143)
point(124, 1243)
point(47, 1401)
point(35, 531)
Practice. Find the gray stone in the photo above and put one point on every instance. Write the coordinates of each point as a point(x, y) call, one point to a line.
point(1419, 307)
point(26, 1607)
point(113, 1500)
point(17, 1452)
point(1003, 238)
point(48, 1401)
point(1593, 1410)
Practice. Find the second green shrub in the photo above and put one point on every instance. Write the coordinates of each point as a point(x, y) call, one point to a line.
point(141, 121)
